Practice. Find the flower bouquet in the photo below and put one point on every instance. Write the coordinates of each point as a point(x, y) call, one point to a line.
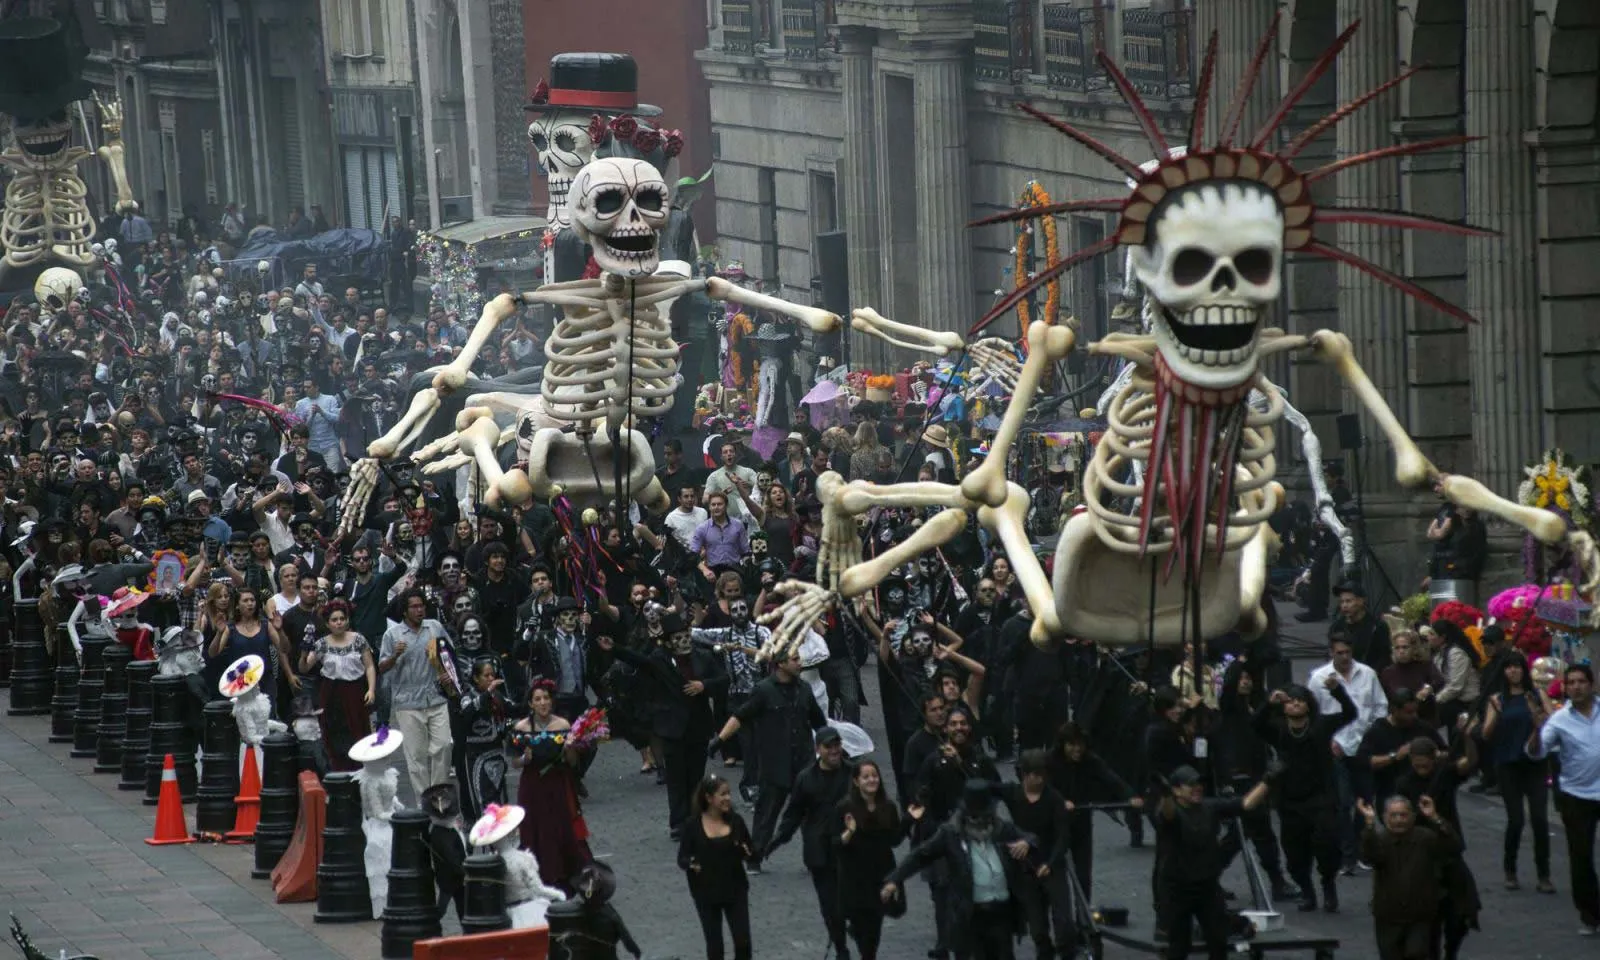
point(589, 730)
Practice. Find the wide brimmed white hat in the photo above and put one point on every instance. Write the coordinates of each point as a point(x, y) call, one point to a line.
point(376, 746)
point(242, 676)
point(496, 824)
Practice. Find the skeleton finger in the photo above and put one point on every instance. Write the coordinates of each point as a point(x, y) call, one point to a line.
point(446, 464)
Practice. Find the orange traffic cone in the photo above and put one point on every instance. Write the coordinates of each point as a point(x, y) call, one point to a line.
point(248, 802)
point(170, 825)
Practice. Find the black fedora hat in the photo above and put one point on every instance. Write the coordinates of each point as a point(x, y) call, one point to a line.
point(605, 82)
point(40, 67)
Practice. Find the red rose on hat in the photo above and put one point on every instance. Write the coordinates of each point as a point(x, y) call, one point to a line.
point(647, 141)
point(624, 127)
point(674, 143)
point(541, 93)
point(597, 129)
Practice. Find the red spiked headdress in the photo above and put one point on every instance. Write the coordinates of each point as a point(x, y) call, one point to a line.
point(1254, 160)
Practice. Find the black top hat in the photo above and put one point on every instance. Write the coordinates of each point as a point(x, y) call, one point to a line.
point(591, 81)
point(40, 67)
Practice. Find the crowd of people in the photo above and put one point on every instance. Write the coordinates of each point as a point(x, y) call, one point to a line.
point(191, 435)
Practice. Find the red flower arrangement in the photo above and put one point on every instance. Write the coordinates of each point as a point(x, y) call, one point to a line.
point(1458, 613)
point(647, 141)
point(624, 127)
point(674, 145)
point(597, 130)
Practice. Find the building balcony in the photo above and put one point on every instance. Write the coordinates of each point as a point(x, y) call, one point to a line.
point(1057, 42)
point(792, 29)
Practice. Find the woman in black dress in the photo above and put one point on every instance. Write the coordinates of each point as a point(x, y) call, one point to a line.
point(869, 830)
point(713, 849)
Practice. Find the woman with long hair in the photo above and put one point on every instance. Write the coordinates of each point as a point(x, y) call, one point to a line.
point(245, 632)
point(553, 830)
point(349, 682)
point(1458, 664)
point(712, 850)
point(864, 456)
point(481, 770)
point(214, 609)
point(779, 521)
point(869, 830)
point(1509, 719)
point(1005, 580)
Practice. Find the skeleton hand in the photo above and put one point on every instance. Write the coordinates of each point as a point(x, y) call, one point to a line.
point(363, 479)
point(453, 462)
point(841, 543)
point(997, 359)
point(110, 118)
point(803, 604)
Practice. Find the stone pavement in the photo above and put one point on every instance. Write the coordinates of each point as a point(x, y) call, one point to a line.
point(74, 868)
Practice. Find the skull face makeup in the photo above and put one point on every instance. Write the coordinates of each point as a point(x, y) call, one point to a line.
point(740, 612)
point(681, 643)
point(619, 209)
point(567, 621)
point(403, 532)
point(471, 634)
point(449, 571)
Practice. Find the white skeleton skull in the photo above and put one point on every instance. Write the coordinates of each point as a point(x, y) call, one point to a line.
point(56, 287)
point(1213, 268)
point(561, 139)
point(619, 208)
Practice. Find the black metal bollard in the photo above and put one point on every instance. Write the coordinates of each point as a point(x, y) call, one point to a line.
point(168, 735)
point(32, 682)
point(91, 684)
point(412, 911)
point(136, 740)
point(280, 802)
point(342, 895)
point(113, 711)
point(219, 774)
point(484, 909)
point(65, 701)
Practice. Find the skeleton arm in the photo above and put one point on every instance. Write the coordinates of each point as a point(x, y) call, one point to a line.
point(111, 152)
point(1413, 470)
point(454, 374)
point(905, 336)
point(78, 613)
point(818, 320)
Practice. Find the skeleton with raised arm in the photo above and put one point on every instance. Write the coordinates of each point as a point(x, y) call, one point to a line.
point(611, 359)
point(1207, 229)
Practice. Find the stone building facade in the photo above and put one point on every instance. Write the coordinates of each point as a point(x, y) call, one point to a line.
point(895, 120)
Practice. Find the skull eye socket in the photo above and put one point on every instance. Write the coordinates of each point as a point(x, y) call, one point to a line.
point(565, 142)
point(1192, 265)
point(650, 200)
point(608, 202)
point(1255, 265)
point(539, 142)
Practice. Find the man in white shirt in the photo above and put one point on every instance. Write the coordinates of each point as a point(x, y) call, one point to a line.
point(735, 481)
point(1574, 731)
point(688, 515)
point(1353, 779)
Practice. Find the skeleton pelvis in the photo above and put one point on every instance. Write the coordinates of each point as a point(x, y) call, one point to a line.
point(556, 457)
point(1103, 594)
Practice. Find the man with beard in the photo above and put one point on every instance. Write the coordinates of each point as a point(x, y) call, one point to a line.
point(368, 592)
point(739, 643)
point(685, 682)
point(940, 781)
point(783, 714)
point(983, 858)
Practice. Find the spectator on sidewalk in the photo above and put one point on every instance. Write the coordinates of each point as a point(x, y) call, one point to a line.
point(1573, 731)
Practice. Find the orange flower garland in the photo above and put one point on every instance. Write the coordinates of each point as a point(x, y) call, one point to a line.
point(1034, 195)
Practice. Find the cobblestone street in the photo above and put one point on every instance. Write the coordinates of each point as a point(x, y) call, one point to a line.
point(75, 870)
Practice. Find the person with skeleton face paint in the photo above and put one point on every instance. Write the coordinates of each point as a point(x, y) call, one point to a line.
point(739, 643)
point(685, 681)
point(561, 656)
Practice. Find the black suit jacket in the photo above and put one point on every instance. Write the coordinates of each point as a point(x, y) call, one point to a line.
point(679, 716)
point(319, 558)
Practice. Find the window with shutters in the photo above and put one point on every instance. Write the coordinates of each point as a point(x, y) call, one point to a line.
point(208, 156)
point(371, 185)
point(294, 175)
point(359, 26)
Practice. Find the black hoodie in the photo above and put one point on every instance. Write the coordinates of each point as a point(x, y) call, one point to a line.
point(1240, 751)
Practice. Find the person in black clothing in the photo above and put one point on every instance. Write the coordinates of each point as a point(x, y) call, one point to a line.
point(923, 743)
point(500, 593)
point(1036, 680)
point(940, 783)
point(1187, 887)
point(984, 857)
point(1036, 808)
point(686, 680)
point(1387, 743)
point(868, 829)
point(1308, 808)
point(1367, 635)
point(712, 851)
point(1241, 759)
point(784, 714)
point(1168, 745)
point(812, 810)
point(1081, 777)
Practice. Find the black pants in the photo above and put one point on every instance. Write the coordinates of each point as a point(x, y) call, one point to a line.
point(769, 804)
point(826, 883)
point(1580, 817)
point(866, 929)
point(1080, 844)
point(939, 892)
point(737, 914)
point(1405, 941)
point(685, 766)
point(1524, 780)
point(987, 935)
point(1181, 905)
point(1257, 826)
point(1310, 834)
point(1318, 591)
point(1047, 905)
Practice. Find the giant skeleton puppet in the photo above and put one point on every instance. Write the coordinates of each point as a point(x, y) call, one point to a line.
point(47, 229)
point(1208, 230)
point(611, 359)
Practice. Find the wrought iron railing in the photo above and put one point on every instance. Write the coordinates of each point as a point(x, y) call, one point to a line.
point(805, 28)
point(1068, 54)
point(739, 26)
point(1156, 53)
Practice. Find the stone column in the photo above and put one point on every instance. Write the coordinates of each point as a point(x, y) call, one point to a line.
point(1370, 313)
point(477, 37)
point(1502, 271)
point(859, 168)
point(944, 244)
point(1239, 24)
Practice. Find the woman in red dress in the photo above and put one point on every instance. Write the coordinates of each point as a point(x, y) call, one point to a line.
point(553, 830)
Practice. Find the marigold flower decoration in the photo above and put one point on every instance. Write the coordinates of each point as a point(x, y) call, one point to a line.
point(1034, 195)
